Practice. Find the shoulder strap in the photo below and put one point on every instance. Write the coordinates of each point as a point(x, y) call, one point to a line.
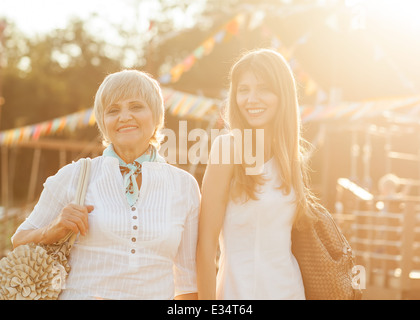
point(83, 181)
point(81, 189)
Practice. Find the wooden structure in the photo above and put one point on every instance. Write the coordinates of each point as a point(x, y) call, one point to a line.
point(11, 214)
point(383, 230)
point(387, 245)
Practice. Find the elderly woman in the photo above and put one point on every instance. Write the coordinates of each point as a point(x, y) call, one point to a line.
point(138, 232)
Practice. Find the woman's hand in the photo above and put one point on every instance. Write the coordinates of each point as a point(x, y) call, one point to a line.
point(72, 218)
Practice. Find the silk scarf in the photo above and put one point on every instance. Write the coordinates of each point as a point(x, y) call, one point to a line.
point(130, 171)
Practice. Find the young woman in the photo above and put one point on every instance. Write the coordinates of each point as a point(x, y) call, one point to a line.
point(138, 233)
point(253, 215)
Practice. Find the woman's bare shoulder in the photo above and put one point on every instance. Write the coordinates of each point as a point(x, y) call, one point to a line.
point(222, 150)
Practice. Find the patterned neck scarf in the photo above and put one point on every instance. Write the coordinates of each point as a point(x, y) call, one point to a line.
point(130, 171)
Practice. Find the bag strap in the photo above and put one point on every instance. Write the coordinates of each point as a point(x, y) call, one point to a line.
point(80, 192)
point(83, 181)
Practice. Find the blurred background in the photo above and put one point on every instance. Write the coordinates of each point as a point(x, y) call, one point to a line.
point(356, 63)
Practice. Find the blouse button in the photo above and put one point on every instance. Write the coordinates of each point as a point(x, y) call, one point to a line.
point(134, 217)
point(133, 251)
point(133, 239)
point(133, 209)
point(135, 227)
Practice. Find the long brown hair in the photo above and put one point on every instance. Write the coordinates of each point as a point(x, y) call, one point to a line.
point(288, 147)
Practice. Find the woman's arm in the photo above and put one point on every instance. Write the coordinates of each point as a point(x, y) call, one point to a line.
point(72, 218)
point(215, 195)
point(54, 216)
point(185, 276)
point(188, 296)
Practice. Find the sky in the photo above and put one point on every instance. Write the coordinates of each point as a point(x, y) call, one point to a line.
point(40, 16)
point(43, 15)
point(35, 17)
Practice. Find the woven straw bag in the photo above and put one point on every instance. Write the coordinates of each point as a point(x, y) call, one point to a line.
point(325, 258)
point(36, 271)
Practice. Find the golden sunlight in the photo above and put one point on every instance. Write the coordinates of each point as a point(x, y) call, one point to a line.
point(404, 11)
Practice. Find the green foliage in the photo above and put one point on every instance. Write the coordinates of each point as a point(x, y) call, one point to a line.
point(52, 76)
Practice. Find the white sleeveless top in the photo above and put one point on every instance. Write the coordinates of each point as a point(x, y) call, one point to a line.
point(256, 260)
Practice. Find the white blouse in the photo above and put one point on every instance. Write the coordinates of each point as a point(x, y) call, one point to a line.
point(142, 252)
point(256, 261)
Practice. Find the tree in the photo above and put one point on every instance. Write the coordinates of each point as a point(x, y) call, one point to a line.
point(48, 77)
point(52, 76)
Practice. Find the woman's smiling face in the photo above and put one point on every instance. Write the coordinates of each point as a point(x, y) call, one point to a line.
point(256, 101)
point(129, 123)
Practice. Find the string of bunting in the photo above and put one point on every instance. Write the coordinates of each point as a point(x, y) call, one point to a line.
point(257, 20)
point(177, 103)
point(191, 106)
point(355, 111)
point(302, 77)
point(223, 34)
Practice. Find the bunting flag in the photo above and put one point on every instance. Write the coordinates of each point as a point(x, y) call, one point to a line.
point(231, 28)
point(177, 103)
point(196, 107)
point(354, 111)
point(187, 105)
point(309, 84)
point(70, 122)
point(224, 34)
